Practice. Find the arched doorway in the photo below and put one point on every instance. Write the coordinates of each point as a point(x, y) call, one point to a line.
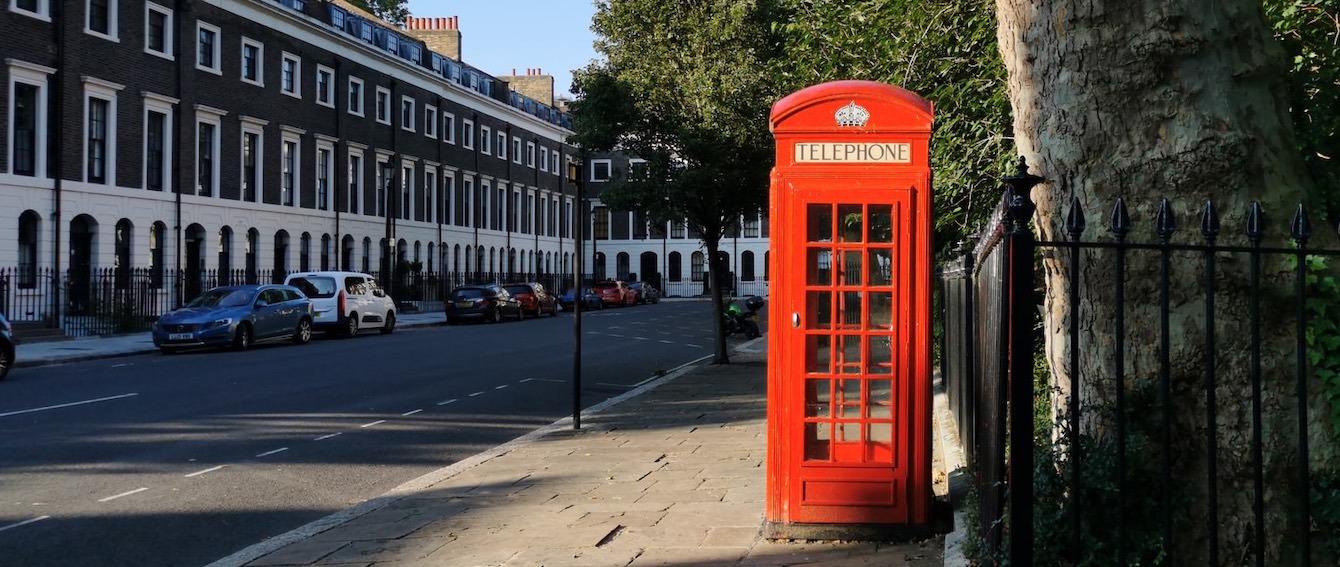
point(193, 245)
point(649, 270)
point(83, 241)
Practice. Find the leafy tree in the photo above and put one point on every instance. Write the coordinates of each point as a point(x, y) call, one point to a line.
point(944, 50)
point(682, 86)
point(1309, 31)
point(393, 11)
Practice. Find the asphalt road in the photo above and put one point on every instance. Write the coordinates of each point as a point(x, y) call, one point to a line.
point(182, 459)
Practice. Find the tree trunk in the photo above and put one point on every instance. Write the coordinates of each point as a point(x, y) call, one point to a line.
point(721, 355)
point(1185, 101)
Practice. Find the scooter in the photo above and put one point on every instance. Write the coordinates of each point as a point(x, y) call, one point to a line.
point(742, 321)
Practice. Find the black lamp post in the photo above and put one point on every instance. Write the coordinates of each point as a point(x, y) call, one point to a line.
point(578, 292)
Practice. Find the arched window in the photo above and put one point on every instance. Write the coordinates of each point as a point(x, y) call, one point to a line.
point(747, 266)
point(767, 265)
point(676, 267)
point(347, 253)
point(431, 248)
point(125, 232)
point(696, 266)
point(598, 266)
point(28, 230)
point(621, 265)
point(305, 252)
point(225, 255)
point(280, 257)
point(253, 255)
point(325, 252)
point(157, 256)
point(367, 254)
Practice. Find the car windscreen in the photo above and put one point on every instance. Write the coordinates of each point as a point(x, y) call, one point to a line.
point(468, 294)
point(314, 287)
point(517, 289)
point(222, 298)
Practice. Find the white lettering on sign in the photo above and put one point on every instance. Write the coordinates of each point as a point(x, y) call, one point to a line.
point(869, 152)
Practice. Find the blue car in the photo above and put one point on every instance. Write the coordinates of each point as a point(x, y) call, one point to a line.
point(237, 316)
point(590, 301)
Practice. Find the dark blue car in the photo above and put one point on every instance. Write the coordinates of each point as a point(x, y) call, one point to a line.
point(590, 300)
point(237, 316)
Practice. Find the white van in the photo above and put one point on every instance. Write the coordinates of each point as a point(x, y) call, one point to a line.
point(346, 302)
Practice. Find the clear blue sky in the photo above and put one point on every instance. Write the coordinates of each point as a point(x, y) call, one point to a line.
point(498, 36)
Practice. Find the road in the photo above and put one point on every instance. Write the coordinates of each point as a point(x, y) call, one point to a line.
point(182, 459)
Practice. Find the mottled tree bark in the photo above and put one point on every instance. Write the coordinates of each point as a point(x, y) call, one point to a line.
point(1144, 100)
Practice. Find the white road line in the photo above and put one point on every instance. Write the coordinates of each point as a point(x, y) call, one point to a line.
point(128, 493)
point(325, 437)
point(667, 342)
point(120, 365)
point(268, 453)
point(208, 470)
point(616, 335)
point(524, 380)
point(693, 346)
point(409, 413)
point(109, 398)
point(23, 523)
point(642, 338)
point(500, 387)
point(451, 401)
point(378, 422)
point(476, 394)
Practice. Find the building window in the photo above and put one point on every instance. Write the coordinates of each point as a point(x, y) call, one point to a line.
point(384, 175)
point(29, 121)
point(289, 172)
point(253, 59)
point(324, 171)
point(448, 127)
point(600, 170)
point(544, 159)
point(253, 255)
point(325, 252)
point(28, 229)
point(281, 255)
point(325, 86)
point(502, 147)
point(305, 252)
point(121, 247)
point(530, 154)
point(155, 154)
point(485, 140)
point(39, 9)
point(355, 195)
point(751, 226)
point(468, 134)
point(677, 229)
point(696, 269)
point(747, 266)
point(290, 75)
point(601, 222)
point(355, 96)
point(96, 161)
point(102, 18)
point(407, 113)
point(430, 121)
point(429, 194)
point(158, 30)
point(516, 152)
point(251, 164)
point(367, 254)
point(206, 157)
point(207, 48)
point(383, 105)
point(407, 191)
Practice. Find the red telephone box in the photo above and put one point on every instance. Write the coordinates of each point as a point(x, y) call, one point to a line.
point(849, 369)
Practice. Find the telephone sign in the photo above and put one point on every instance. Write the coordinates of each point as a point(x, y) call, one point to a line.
point(849, 369)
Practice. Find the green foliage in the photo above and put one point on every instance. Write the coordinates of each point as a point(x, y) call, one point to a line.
point(1325, 503)
point(1322, 334)
point(392, 11)
point(1309, 31)
point(944, 50)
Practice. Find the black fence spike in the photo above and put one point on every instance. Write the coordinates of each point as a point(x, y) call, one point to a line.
point(1074, 221)
point(1209, 221)
point(1255, 224)
point(1300, 228)
point(1164, 224)
point(1121, 220)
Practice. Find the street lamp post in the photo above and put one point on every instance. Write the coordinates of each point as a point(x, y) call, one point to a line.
point(578, 293)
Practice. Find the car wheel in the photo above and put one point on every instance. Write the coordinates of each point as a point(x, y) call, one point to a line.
point(495, 316)
point(242, 340)
point(351, 326)
point(389, 327)
point(303, 334)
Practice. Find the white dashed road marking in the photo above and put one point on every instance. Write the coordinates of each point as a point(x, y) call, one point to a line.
point(127, 493)
point(409, 413)
point(325, 437)
point(378, 422)
point(23, 523)
point(208, 470)
point(268, 453)
point(71, 404)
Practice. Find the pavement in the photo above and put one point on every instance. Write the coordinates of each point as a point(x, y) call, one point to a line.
point(670, 474)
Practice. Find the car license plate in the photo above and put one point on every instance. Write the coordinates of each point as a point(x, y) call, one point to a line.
point(464, 303)
point(180, 336)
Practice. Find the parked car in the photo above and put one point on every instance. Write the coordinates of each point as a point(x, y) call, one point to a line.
point(236, 316)
point(346, 302)
point(488, 302)
point(646, 293)
point(590, 300)
point(616, 293)
point(534, 299)
point(7, 343)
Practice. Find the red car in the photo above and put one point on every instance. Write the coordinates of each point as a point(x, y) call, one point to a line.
point(535, 300)
point(616, 293)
